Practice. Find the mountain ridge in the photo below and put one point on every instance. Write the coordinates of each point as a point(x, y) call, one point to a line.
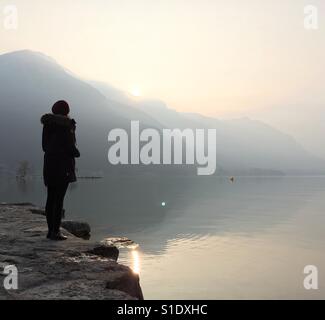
point(33, 81)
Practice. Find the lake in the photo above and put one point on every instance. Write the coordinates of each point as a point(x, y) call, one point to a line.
point(204, 237)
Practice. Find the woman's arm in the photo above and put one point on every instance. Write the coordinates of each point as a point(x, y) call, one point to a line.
point(45, 138)
point(70, 144)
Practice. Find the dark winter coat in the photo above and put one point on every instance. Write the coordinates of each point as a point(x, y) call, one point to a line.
point(59, 145)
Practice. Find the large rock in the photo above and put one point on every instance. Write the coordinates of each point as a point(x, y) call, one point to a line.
point(71, 269)
point(121, 282)
point(106, 251)
point(77, 228)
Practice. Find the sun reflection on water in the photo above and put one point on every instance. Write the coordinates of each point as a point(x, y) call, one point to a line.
point(135, 261)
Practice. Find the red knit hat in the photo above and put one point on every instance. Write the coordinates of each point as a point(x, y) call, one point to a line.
point(61, 107)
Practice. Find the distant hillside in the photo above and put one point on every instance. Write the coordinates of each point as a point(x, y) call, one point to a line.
point(244, 146)
point(31, 82)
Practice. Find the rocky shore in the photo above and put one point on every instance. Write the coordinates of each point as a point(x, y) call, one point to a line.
point(71, 269)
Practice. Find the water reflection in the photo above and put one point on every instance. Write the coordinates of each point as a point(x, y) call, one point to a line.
point(213, 238)
point(135, 261)
point(22, 185)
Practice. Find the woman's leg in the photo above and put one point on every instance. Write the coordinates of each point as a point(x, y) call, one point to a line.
point(59, 201)
point(50, 208)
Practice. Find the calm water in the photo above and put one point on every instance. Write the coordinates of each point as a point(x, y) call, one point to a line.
point(213, 239)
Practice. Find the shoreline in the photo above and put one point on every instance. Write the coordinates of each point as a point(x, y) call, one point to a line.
point(74, 269)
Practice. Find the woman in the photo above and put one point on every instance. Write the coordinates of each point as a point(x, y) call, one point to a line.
point(59, 145)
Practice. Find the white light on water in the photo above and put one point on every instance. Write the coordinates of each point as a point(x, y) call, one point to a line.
point(135, 261)
point(163, 204)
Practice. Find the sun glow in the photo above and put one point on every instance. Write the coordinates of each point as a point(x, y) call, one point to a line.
point(135, 92)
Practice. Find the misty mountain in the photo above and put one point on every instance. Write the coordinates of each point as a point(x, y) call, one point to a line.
point(304, 122)
point(31, 82)
point(244, 146)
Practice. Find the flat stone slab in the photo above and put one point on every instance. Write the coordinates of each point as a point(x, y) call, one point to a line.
point(71, 269)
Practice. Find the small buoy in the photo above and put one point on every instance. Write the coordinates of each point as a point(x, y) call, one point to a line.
point(163, 204)
point(232, 179)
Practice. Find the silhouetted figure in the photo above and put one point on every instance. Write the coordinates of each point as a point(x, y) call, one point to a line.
point(59, 145)
point(232, 179)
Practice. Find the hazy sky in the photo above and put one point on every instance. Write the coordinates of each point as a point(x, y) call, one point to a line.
point(217, 57)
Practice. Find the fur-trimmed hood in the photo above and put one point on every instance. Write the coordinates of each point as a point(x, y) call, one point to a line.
point(57, 119)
